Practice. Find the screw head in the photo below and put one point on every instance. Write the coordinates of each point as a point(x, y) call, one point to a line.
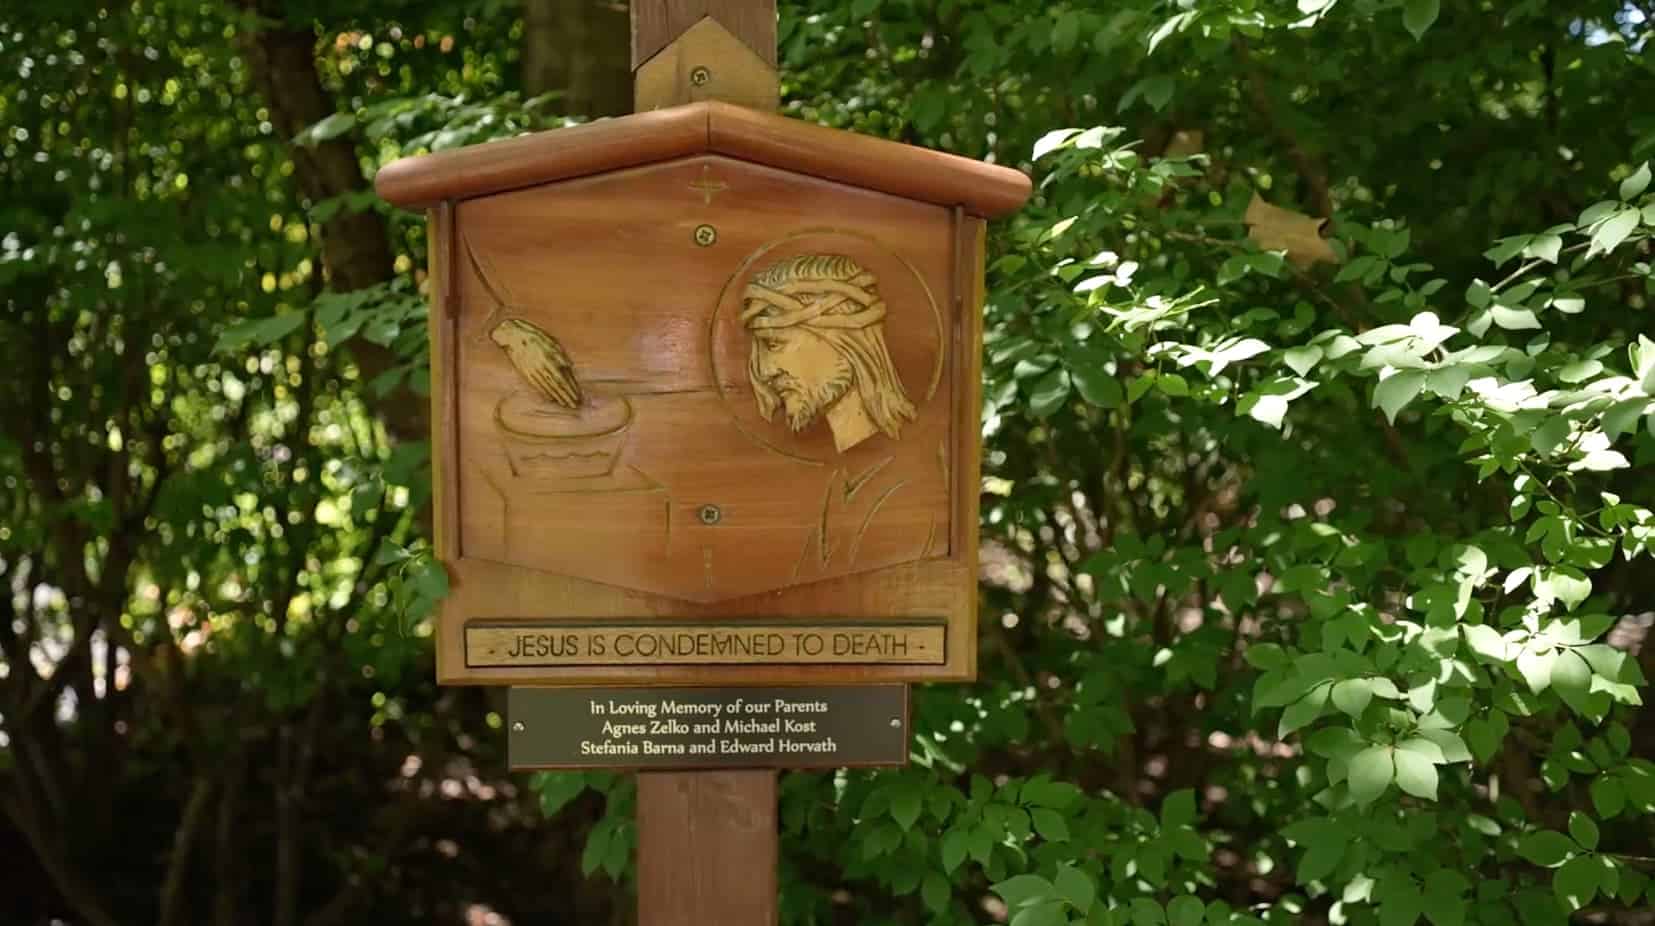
point(896, 722)
point(709, 514)
point(517, 726)
point(700, 75)
point(705, 235)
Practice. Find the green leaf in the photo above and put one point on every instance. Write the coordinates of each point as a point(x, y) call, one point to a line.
point(1416, 774)
point(956, 845)
point(1484, 735)
point(1265, 409)
point(1395, 391)
point(1266, 656)
point(1400, 902)
point(1321, 859)
point(1096, 385)
point(1577, 882)
point(1571, 679)
point(1515, 319)
point(1335, 743)
point(1546, 848)
point(1049, 394)
point(1157, 91)
point(1049, 824)
point(1352, 696)
point(1178, 809)
point(1443, 908)
point(1052, 141)
point(328, 129)
point(1632, 187)
point(1584, 830)
point(1478, 294)
point(906, 805)
point(1146, 912)
point(1304, 710)
point(1022, 890)
point(1043, 792)
point(935, 892)
point(1425, 748)
point(1563, 584)
point(259, 332)
point(1041, 914)
point(557, 789)
point(1449, 743)
point(1623, 416)
point(1535, 665)
point(597, 846)
point(1185, 910)
point(1418, 15)
point(1612, 231)
point(1075, 887)
point(1608, 796)
point(1371, 772)
point(1302, 360)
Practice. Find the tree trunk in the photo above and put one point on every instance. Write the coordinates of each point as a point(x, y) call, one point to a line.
point(582, 48)
point(356, 246)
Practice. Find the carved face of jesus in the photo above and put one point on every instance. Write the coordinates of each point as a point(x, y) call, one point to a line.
point(803, 369)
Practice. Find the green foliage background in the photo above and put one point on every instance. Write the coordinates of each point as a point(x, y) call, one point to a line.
point(1312, 591)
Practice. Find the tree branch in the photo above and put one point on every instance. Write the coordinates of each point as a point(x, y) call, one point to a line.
point(183, 843)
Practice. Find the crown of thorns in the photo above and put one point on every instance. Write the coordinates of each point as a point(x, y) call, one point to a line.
point(818, 301)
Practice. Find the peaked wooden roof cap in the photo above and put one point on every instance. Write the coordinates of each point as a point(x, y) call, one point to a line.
point(704, 128)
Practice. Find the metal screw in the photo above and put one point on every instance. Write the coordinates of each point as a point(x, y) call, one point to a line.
point(710, 514)
point(517, 726)
point(699, 75)
point(896, 722)
point(705, 235)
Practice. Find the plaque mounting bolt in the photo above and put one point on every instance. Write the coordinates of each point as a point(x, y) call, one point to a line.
point(700, 75)
point(517, 726)
point(710, 515)
point(705, 235)
point(896, 723)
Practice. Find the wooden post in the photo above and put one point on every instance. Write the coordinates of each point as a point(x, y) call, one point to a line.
point(707, 841)
point(707, 848)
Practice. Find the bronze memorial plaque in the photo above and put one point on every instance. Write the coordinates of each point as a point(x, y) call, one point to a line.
point(706, 395)
point(684, 728)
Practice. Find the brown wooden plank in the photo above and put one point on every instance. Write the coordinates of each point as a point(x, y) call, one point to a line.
point(656, 23)
point(560, 154)
point(935, 177)
point(707, 848)
point(442, 326)
point(865, 161)
point(972, 242)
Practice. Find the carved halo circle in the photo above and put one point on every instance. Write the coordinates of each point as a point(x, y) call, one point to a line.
point(909, 320)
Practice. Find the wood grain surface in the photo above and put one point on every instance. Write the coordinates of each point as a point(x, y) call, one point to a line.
point(668, 494)
point(706, 63)
point(934, 177)
point(707, 847)
point(655, 23)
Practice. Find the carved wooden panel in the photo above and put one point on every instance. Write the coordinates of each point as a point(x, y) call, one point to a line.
point(705, 393)
point(744, 393)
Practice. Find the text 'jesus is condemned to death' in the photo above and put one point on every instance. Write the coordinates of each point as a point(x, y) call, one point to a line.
point(548, 644)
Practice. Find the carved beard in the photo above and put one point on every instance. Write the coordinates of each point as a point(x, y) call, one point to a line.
point(803, 405)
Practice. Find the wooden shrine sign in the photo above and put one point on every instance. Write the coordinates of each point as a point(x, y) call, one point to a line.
point(705, 384)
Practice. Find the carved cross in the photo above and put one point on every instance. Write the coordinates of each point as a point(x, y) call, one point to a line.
point(708, 187)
